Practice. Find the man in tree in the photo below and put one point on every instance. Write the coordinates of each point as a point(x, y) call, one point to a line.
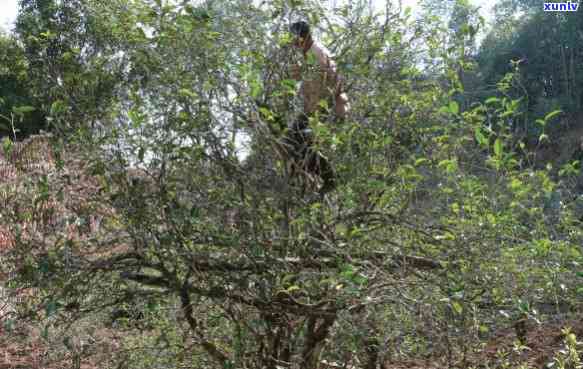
point(321, 93)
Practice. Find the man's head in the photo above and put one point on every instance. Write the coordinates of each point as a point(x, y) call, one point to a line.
point(301, 31)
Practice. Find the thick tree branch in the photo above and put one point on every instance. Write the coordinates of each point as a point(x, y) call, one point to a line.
point(212, 349)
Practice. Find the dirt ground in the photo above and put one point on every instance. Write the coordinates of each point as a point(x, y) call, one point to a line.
point(541, 345)
point(26, 349)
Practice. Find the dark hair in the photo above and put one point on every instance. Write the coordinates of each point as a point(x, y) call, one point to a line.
point(300, 28)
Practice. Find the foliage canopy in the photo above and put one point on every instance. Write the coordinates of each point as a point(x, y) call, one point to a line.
point(441, 229)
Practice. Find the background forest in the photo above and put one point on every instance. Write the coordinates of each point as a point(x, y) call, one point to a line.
point(149, 220)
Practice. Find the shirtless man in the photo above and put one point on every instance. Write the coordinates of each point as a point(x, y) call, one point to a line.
point(322, 94)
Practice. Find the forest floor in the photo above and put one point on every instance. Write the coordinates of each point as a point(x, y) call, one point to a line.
point(27, 350)
point(542, 344)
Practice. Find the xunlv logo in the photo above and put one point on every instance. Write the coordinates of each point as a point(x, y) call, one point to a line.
point(561, 7)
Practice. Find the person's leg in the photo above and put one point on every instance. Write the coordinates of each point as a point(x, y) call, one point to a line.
point(314, 163)
point(298, 141)
point(322, 166)
point(318, 165)
point(293, 139)
point(295, 145)
point(328, 176)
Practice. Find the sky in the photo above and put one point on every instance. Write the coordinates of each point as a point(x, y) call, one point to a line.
point(8, 9)
point(7, 13)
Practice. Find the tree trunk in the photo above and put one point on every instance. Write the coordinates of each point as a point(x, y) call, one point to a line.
point(575, 89)
point(565, 72)
point(315, 340)
point(372, 352)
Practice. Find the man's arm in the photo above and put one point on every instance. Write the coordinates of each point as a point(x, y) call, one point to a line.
point(341, 105)
point(328, 66)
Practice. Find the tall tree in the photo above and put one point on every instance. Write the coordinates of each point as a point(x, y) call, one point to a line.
point(20, 115)
point(547, 47)
point(74, 57)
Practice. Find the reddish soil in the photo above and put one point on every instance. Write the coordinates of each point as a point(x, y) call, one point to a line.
point(543, 342)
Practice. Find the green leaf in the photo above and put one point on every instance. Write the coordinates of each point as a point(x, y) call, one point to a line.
point(187, 93)
point(136, 117)
point(194, 212)
point(67, 56)
point(447, 236)
point(507, 114)
point(443, 110)
point(457, 307)
point(256, 89)
point(293, 288)
point(58, 107)
point(498, 147)
point(359, 279)
point(347, 271)
point(480, 137)
point(492, 100)
point(21, 110)
point(288, 278)
point(6, 146)
point(552, 114)
point(289, 85)
point(515, 184)
point(454, 107)
point(267, 113)
point(449, 165)
point(514, 104)
point(311, 59)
